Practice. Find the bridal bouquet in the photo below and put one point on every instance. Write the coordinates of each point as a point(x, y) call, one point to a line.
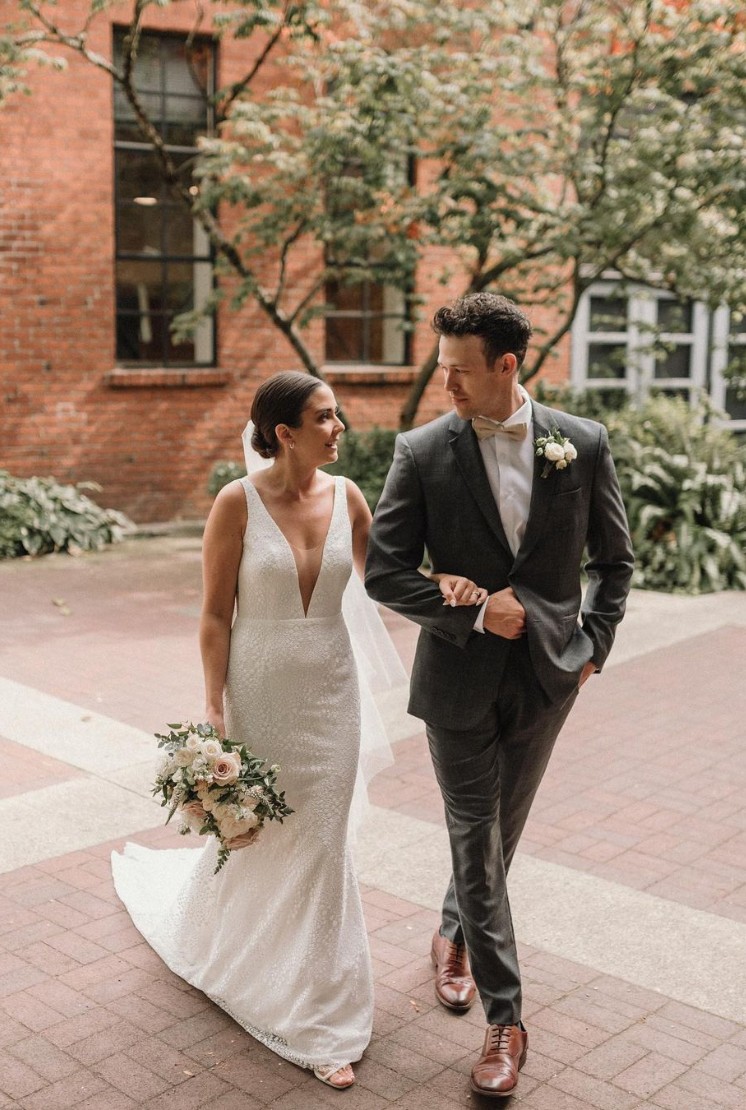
point(217, 786)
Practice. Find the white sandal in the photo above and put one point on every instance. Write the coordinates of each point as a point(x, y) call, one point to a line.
point(327, 1072)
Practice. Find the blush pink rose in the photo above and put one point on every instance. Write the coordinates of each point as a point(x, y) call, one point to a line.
point(226, 768)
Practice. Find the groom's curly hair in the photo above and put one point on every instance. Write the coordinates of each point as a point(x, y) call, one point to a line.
point(498, 322)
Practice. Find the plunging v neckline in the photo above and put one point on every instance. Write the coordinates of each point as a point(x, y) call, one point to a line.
point(291, 549)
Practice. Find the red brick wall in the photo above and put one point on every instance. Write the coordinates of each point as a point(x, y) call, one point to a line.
point(150, 448)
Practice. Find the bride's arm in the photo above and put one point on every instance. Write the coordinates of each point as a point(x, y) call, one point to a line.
point(360, 518)
point(221, 554)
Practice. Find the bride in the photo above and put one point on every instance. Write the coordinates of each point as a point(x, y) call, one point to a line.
point(277, 937)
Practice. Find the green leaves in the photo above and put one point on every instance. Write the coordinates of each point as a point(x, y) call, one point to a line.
point(38, 516)
point(683, 481)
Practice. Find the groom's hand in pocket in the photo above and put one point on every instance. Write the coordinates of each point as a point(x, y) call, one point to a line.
point(504, 615)
point(585, 674)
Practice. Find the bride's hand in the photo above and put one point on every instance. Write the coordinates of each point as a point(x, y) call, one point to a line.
point(215, 718)
point(457, 590)
point(243, 840)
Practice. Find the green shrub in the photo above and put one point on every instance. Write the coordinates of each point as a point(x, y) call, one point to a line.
point(365, 457)
point(683, 480)
point(222, 473)
point(38, 515)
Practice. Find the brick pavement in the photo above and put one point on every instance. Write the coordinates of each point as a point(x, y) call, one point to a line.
point(651, 800)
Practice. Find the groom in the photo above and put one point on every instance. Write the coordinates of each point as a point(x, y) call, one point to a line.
point(495, 684)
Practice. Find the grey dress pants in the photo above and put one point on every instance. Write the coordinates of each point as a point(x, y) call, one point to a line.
point(488, 776)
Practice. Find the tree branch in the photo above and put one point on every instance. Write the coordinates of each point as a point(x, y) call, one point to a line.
point(227, 96)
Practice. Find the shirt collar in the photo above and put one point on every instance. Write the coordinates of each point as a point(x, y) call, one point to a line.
point(523, 414)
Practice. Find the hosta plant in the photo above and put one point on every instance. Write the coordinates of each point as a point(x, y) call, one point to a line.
point(39, 515)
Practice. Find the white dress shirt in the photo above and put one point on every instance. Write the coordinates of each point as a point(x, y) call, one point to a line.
point(510, 464)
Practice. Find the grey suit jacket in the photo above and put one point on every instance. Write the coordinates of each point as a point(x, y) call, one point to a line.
point(437, 498)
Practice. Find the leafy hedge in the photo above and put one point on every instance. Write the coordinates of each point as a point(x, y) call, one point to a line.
point(683, 479)
point(38, 516)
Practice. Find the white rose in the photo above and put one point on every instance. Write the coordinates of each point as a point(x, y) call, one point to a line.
point(183, 757)
point(561, 464)
point(211, 749)
point(194, 744)
point(234, 824)
point(554, 452)
point(570, 452)
point(165, 767)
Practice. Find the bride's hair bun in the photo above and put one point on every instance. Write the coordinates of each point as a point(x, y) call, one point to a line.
point(281, 399)
point(261, 445)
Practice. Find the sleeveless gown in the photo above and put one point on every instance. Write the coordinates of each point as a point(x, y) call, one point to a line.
point(277, 937)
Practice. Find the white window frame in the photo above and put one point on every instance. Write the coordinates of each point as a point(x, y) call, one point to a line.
point(722, 343)
point(639, 378)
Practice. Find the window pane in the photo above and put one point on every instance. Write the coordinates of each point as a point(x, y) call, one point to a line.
point(139, 286)
point(186, 69)
point(139, 229)
point(612, 400)
point(606, 360)
point(179, 289)
point(675, 316)
point(183, 232)
point(735, 403)
point(659, 391)
point(179, 351)
point(125, 125)
point(147, 63)
point(608, 314)
point(345, 298)
point(673, 364)
point(137, 175)
point(344, 339)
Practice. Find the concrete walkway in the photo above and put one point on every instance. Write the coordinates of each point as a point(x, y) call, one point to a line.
point(629, 893)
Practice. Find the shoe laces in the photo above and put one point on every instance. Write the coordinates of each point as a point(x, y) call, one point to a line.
point(454, 961)
point(499, 1038)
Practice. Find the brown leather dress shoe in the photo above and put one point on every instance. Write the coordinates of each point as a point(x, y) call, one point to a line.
point(495, 1074)
point(454, 986)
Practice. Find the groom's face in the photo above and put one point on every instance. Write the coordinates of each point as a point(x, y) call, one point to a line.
point(471, 383)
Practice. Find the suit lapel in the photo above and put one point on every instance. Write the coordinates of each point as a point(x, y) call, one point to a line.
point(542, 489)
point(465, 447)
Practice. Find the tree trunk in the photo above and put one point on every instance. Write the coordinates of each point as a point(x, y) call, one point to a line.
point(419, 385)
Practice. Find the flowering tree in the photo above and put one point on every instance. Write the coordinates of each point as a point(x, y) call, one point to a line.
point(615, 143)
point(555, 141)
point(293, 187)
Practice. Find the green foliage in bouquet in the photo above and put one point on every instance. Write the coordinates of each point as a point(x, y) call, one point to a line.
point(218, 786)
point(38, 516)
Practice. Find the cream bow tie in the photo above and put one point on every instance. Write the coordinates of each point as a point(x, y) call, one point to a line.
point(485, 427)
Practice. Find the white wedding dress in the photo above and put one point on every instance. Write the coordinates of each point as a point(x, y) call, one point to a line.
point(277, 937)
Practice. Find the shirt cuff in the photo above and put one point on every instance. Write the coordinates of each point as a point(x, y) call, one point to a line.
point(479, 622)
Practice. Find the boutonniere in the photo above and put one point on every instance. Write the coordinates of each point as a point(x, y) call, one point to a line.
point(556, 450)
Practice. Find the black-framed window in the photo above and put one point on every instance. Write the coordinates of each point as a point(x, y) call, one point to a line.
point(365, 323)
point(163, 256)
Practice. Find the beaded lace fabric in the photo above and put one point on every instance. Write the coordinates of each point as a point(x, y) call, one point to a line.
point(277, 937)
